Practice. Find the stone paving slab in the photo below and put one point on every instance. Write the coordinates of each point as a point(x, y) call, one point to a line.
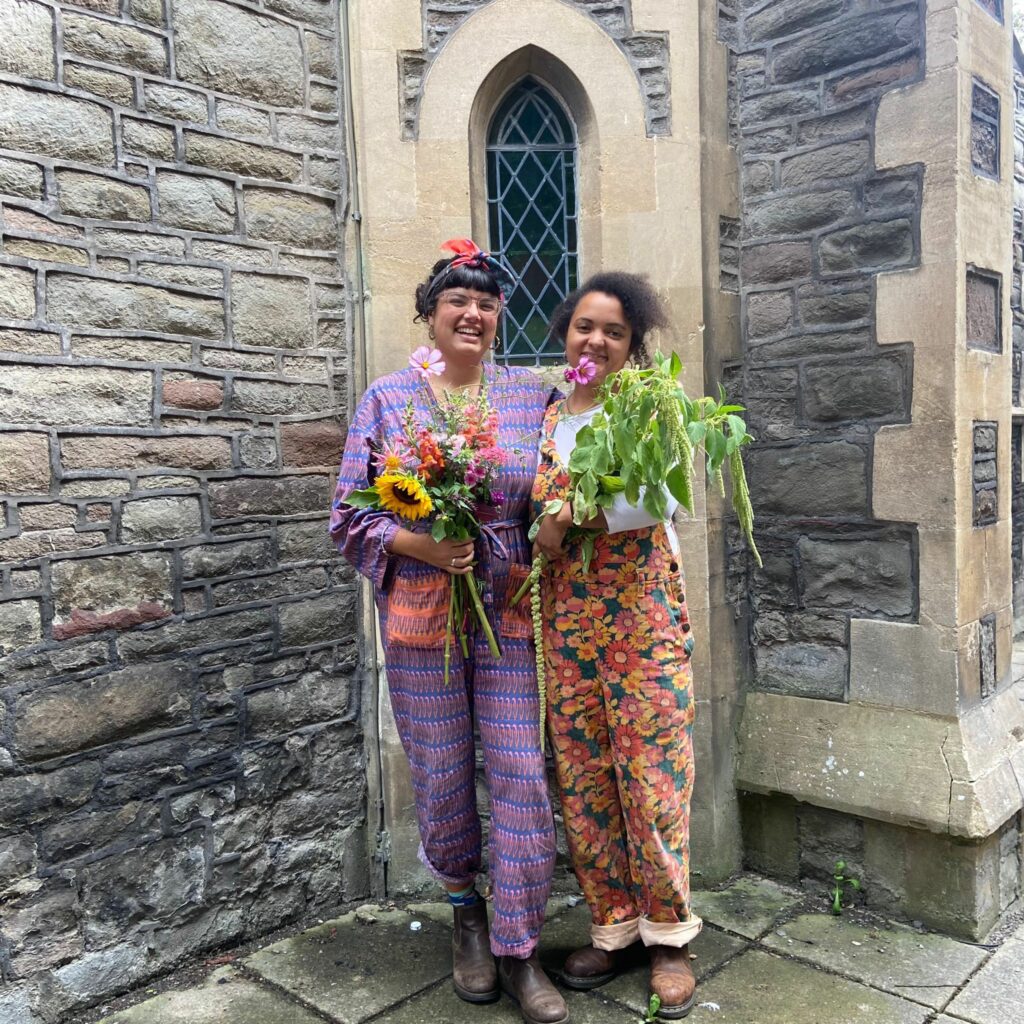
point(760, 988)
point(995, 995)
point(749, 907)
point(441, 1006)
point(919, 966)
point(350, 970)
point(225, 997)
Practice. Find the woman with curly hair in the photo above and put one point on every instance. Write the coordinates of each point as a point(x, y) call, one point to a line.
point(461, 301)
point(617, 647)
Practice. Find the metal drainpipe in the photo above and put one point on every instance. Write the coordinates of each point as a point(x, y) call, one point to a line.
point(361, 345)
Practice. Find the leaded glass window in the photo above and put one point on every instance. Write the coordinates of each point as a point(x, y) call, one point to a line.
point(531, 202)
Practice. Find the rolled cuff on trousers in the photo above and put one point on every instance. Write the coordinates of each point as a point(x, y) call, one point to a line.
point(670, 933)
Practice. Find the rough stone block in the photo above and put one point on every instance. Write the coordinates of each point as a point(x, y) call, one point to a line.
point(144, 138)
point(202, 204)
point(110, 592)
point(122, 305)
point(323, 55)
point(802, 670)
point(240, 119)
point(826, 479)
point(775, 262)
point(199, 453)
point(269, 496)
point(19, 625)
point(151, 519)
point(193, 394)
point(115, 43)
point(872, 577)
point(876, 245)
point(178, 637)
point(308, 132)
point(826, 164)
point(73, 395)
point(778, 106)
point(843, 43)
point(50, 516)
point(47, 542)
point(108, 84)
point(53, 125)
point(88, 713)
point(27, 31)
point(47, 252)
point(136, 243)
point(257, 451)
point(791, 215)
point(271, 311)
point(276, 215)
point(17, 293)
point(768, 313)
point(174, 102)
point(317, 443)
point(984, 310)
point(24, 463)
point(323, 98)
point(325, 619)
point(268, 587)
point(213, 47)
point(313, 697)
point(93, 195)
point(865, 389)
point(788, 17)
point(29, 799)
point(271, 398)
point(244, 158)
point(18, 178)
point(17, 858)
point(301, 542)
point(212, 560)
point(142, 350)
point(838, 307)
point(29, 342)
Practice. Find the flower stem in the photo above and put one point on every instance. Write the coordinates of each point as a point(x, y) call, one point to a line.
point(448, 630)
point(539, 564)
point(478, 607)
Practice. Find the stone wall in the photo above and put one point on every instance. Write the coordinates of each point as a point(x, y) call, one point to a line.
point(180, 749)
point(1017, 308)
point(818, 224)
point(647, 53)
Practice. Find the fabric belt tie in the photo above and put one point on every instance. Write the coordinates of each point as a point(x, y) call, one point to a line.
point(488, 532)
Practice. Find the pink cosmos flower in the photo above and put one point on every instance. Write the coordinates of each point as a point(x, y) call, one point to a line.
point(583, 372)
point(427, 362)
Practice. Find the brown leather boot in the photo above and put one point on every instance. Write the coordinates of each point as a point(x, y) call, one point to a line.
point(525, 981)
point(474, 973)
point(672, 980)
point(589, 967)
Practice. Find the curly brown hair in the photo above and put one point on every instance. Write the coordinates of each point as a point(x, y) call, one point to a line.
point(641, 305)
point(440, 277)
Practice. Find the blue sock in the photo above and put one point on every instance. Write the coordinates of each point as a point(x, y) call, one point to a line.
point(464, 897)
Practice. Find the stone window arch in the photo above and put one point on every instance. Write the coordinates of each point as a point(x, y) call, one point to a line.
point(533, 212)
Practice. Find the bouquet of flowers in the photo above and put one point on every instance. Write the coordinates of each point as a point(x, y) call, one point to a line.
point(643, 440)
point(443, 471)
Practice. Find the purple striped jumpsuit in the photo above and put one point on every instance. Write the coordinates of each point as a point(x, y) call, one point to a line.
point(435, 721)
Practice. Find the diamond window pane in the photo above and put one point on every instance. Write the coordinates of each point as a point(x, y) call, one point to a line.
point(531, 197)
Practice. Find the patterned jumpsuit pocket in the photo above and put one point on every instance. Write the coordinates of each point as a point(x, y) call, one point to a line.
point(516, 619)
point(418, 611)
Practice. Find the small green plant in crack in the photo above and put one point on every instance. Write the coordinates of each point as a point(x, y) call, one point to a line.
point(653, 1006)
point(840, 882)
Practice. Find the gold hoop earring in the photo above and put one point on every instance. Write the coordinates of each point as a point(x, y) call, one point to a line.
point(431, 334)
point(497, 343)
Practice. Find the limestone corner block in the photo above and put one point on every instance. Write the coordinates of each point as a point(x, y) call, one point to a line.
point(27, 31)
point(24, 463)
point(111, 592)
point(214, 44)
point(45, 123)
point(92, 712)
point(123, 305)
point(73, 395)
point(271, 311)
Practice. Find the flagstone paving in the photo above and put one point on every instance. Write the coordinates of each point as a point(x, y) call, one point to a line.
point(768, 955)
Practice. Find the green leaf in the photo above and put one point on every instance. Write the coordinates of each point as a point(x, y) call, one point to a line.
point(654, 503)
point(367, 498)
point(675, 366)
point(439, 529)
point(678, 486)
point(696, 430)
point(612, 484)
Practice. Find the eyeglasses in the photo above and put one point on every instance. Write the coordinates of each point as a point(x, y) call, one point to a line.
point(488, 306)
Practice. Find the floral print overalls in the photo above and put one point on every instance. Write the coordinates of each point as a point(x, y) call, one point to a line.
point(620, 713)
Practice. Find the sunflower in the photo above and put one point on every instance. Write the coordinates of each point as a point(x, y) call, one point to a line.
point(403, 494)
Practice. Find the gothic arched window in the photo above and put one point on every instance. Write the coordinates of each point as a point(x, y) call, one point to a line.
point(531, 204)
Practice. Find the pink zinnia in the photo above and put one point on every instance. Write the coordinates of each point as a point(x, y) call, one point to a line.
point(583, 372)
point(428, 362)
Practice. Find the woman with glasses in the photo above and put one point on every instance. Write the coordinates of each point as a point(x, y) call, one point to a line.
point(460, 302)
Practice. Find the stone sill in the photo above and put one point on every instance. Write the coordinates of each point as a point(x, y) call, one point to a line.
point(961, 776)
